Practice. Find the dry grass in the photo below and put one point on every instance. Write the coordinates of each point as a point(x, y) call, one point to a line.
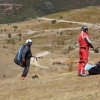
point(57, 83)
point(55, 87)
point(89, 14)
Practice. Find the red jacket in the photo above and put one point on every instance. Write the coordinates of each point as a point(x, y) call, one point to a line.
point(84, 39)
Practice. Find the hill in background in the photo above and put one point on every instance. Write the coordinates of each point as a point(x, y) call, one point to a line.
point(21, 10)
point(56, 34)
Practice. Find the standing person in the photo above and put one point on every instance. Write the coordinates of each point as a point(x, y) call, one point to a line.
point(84, 43)
point(26, 55)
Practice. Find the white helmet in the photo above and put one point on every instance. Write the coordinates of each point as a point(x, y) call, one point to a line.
point(28, 41)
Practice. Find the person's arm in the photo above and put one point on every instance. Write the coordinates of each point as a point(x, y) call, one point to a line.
point(29, 54)
point(88, 42)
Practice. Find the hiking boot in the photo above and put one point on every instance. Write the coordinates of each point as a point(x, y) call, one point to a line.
point(79, 75)
point(83, 75)
point(35, 76)
point(23, 78)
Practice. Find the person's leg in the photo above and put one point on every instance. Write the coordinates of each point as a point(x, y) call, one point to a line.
point(83, 61)
point(26, 68)
point(79, 68)
point(79, 64)
point(82, 67)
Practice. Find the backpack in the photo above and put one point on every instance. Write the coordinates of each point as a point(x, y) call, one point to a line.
point(95, 70)
point(18, 58)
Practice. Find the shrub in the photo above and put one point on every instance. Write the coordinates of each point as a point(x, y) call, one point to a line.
point(20, 35)
point(9, 35)
point(12, 41)
point(19, 39)
point(96, 50)
point(70, 67)
point(71, 64)
point(53, 21)
point(61, 33)
point(61, 17)
point(4, 30)
point(1, 31)
point(15, 27)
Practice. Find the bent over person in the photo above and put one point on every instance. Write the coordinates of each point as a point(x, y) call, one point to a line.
point(84, 43)
point(26, 55)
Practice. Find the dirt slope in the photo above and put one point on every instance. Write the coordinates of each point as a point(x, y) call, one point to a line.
point(66, 86)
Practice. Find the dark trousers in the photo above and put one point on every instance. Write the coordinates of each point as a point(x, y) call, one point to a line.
point(26, 68)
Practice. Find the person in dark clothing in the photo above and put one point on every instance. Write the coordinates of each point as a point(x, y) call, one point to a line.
point(26, 55)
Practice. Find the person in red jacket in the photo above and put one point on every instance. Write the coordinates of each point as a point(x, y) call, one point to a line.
point(84, 43)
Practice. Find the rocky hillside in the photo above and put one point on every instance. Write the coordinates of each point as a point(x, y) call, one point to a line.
point(20, 10)
point(57, 34)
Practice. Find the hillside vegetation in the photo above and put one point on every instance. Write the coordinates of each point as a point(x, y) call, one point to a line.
point(21, 10)
point(54, 35)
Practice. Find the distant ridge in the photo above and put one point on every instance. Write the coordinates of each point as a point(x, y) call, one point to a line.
point(22, 10)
